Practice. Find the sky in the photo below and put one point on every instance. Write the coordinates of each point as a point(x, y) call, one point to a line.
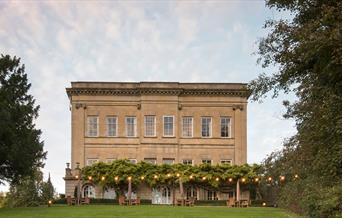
point(178, 41)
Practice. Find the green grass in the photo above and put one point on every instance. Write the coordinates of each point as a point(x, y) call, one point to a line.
point(104, 211)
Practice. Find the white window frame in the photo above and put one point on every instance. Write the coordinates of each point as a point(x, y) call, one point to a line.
point(154, 126)
point(110, 160)
point(210, 127)
point(213, 195)
point(192, 126)
point(88, 191)
point(211, 161)
point(188, 160)
point(132, 160)
point(97, 126)
point(116, 126)
point(165, 159)
point(173, 126)
point(135, 126)
point(229, 126)
point(149, 160)
point(225, 161)
point(91, 161)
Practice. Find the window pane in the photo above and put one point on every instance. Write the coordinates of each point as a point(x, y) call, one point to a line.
point(168, 126)
point(187, 162)
point(131, 126)
point(206, 161)
point(168, 160)
point(225, 127)
point(92, 126)
point(150, 127)
point(206, 126)
point(110, 160)
point(91, 161)
point(111, 126)
point(150, 160)
point(226, 161)
point(133, 161)
point(187, 127)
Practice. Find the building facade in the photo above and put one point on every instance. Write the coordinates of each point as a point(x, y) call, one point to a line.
point(157, 122)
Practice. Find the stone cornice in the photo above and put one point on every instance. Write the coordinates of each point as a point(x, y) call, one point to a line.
point(195, 89)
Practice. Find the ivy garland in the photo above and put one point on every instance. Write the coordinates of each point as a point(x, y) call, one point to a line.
point(118, 173)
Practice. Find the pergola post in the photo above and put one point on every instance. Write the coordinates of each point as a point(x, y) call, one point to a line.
point(129, 191)
point(181, 188)
point(238, 190)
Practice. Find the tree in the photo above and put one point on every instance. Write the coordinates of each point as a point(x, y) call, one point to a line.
point(25, 192)
point(21, 150)
point(307, 51)
point(47, 191)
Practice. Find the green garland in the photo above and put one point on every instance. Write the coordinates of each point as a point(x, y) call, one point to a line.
point(116, 174)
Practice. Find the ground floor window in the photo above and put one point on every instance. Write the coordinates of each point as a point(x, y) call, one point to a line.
point(206, 161)
point(226, 161)
point(212, 195)
point(187, 162)
point(150, 160)
point(168, 161)
point(89, 191)
point(191, 192)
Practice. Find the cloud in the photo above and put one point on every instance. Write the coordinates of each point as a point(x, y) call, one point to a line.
point(184, 41)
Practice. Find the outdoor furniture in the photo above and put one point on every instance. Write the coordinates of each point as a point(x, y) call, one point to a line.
point(135, 201)
point(85, 200)
point(244, 203)
point(122, 200)
point(71, 201)
point(189, 202)
point(179, 202)
point(231, 202)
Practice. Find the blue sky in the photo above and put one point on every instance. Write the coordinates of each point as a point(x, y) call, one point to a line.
point(185, 41)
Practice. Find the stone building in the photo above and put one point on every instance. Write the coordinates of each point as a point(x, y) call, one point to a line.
point(157, 122)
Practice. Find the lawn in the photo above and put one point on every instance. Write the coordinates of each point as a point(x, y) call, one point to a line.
point(103, 211)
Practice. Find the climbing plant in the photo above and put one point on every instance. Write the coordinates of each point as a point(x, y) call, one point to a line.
point(119, 172)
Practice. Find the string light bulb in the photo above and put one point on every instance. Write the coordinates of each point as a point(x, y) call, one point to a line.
point(269, 179)
point(177, 174)
point(103, 178)
point(264, 204)
point(217, 179)
point(282, 178)
point(168, 175)
point(296, 176)
point(230, 179)
point(76, 176)
point(256, 179)
point(155, 176)
point(129, 178)
point(142, 177)
point(90, 178)
point(204, 178)
point(116, 178)
point(191, 176)
point(243, 180)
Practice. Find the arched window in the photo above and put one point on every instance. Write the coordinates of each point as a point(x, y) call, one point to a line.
point(89, 191)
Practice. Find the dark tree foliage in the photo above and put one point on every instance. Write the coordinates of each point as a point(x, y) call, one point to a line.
point(307, 51)
point(21, 150)
point(25, 192)
point(47, 191)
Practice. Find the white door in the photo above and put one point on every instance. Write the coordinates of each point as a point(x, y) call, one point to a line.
point(161, 196)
